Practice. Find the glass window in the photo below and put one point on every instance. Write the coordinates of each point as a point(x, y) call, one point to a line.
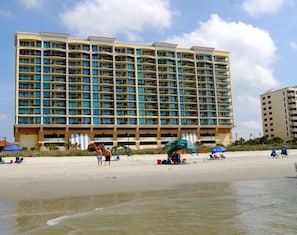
point(131, 89)
point(46, 103)
point(86, 47)
point(46, 44)
point(139, 74)
point(46, 111)
point(131, 74)
point(86, 87)
point(38, 44)
point(86, 79)
point(95, 88)
point(86, 111)
point(141, 121)
point(86, 104)
point(96, 104)
point(46, 94)
point(46, 61)
point(86, 71)
point(46, 77)
point(46, 86)
point(95, 64)
point(38, 61)
point(46, 120)
point(130, 66)
point(46, 69)
point(130, 51)
point(95, 79)
point(138, 51)
point(37, 77)
point(37, 94)
point(86, 96)
point(96, 120)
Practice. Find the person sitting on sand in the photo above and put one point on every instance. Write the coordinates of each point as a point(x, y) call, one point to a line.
point(284, 152)
point(214, 156)
point(274, 153)
point(176, 158)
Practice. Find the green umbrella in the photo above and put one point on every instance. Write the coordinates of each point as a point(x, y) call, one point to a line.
point(175, 145)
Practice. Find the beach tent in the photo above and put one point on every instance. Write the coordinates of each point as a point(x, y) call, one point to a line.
point(115, 148)
point(176, 145)
point(12, 148)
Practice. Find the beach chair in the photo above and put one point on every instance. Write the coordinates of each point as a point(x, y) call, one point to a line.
point(284, 152)
point(222, 156)
point(274, 153)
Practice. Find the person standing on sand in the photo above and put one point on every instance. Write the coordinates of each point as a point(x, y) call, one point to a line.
point(107, 156)
point(99, 156)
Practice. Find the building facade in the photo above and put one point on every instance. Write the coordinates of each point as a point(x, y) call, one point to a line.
point(279, 113)
point(99, 90)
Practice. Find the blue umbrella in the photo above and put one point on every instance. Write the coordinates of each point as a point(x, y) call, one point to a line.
point(218, 149)
point(12, 148)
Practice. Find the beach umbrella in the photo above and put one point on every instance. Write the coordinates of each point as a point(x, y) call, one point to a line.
point(175, 145)
point(12, 148)
point(218, 149)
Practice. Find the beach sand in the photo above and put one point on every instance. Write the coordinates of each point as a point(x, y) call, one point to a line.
point(58, 177)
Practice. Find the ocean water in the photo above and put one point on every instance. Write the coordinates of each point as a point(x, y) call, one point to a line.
point(243, 207)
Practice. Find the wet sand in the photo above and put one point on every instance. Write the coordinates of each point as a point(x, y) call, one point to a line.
point(57, 177)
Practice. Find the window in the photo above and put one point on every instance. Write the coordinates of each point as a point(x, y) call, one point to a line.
point(86, 47)
point(46, 44)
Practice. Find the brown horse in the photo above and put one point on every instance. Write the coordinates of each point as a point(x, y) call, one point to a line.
point(92, 147)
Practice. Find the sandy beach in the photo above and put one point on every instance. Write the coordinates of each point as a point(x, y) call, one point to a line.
point(57, 177)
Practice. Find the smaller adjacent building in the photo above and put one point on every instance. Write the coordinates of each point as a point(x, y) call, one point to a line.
point(3, 144)
point(279, 113)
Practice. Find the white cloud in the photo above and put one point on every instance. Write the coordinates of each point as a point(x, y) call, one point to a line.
point(259, 7)
point(31, 4)
point(114, 17)
point(293, 45)
point(252, 53)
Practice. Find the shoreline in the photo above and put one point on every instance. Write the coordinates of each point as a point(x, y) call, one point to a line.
point(58, 177)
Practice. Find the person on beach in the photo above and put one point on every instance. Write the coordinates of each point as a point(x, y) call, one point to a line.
point(99, 156)
point(107, 156)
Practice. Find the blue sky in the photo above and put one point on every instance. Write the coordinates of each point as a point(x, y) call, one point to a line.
point(259, 34)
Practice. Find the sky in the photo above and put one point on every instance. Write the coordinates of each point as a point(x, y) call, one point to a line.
point(259, 34)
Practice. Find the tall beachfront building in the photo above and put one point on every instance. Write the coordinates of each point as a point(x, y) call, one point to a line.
point(279, 113)
point(100, 90)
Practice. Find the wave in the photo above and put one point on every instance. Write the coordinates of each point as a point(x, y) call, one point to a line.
point(59, 219)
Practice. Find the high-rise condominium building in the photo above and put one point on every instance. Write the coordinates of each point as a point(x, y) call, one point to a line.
point(279, 113)
point(99, 90)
